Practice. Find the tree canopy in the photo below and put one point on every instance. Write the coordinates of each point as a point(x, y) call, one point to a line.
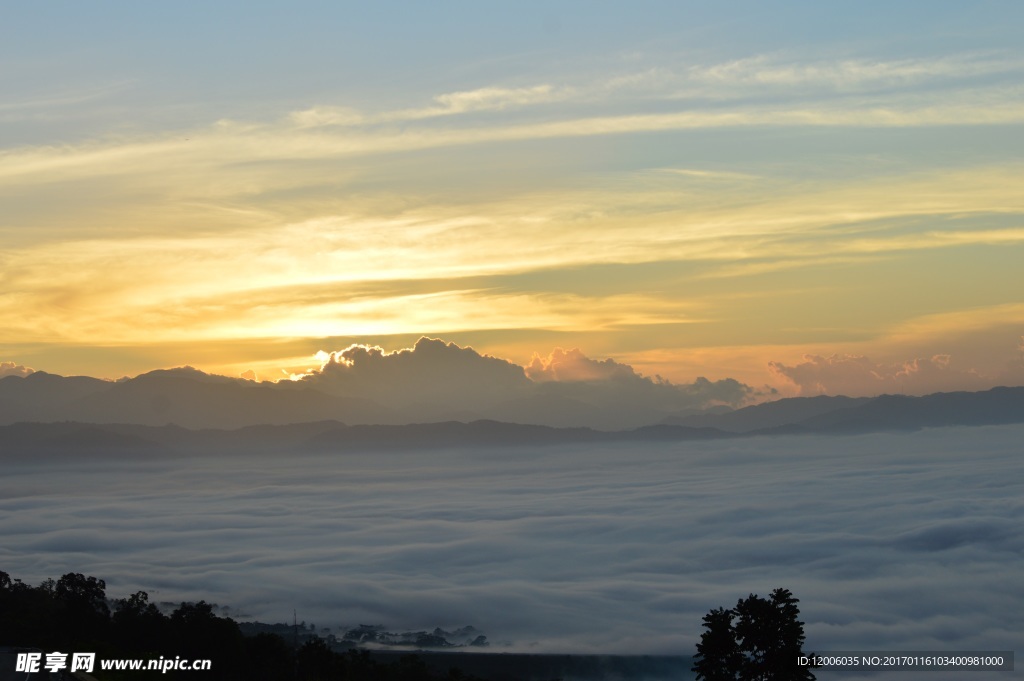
point(74, 613)
point(758, 640)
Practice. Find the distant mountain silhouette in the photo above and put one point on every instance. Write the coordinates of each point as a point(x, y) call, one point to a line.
point(74, 439)
point(185, 397)
point(29, 440)
point(899, 412)
point(786, 412)
point(44, 397)
point(888, 412)
point(192, 400)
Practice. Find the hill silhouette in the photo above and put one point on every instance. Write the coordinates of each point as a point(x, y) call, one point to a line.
point(885, 413)
point(193, 400)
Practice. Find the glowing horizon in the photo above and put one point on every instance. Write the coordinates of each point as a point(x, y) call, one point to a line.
point(791, 209)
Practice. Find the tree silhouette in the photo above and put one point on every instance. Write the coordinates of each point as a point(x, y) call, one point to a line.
point(139, 624)
point(73, 613)
point(82, 605)
point(758, 640)
point(718, 656)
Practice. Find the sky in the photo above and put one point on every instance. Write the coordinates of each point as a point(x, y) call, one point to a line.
point(894, 541)
point(802, 197)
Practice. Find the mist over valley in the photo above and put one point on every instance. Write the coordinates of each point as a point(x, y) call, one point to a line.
point(890, 540)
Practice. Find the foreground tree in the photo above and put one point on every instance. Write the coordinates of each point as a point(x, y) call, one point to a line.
point(758, 640)
point(718, 656)
point(81, 604)
point(138, 624)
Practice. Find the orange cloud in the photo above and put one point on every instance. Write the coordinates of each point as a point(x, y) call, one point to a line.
point(858, 375)
point(573, 365)
point(12, 369)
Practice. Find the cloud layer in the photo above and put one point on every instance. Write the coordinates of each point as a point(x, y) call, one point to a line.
point(909, 541)
point(661, 201)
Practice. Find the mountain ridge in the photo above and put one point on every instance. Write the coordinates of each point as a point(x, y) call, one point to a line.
point(997, 406)
point(195, 400)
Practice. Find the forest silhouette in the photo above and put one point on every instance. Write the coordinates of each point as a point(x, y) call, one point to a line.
point(73, 614)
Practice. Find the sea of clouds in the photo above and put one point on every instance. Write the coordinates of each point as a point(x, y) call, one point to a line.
point(904, 541)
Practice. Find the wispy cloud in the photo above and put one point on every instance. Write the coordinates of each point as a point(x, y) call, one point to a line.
point(331, 131)
point(274, 227)
point(713, 82)
point(268, 277)
point(448, 104)
point(843, 74)
point(230, 143)
point(709, 174)
point(48, 104)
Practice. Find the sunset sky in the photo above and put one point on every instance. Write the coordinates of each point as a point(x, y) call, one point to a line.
point(816, 197)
